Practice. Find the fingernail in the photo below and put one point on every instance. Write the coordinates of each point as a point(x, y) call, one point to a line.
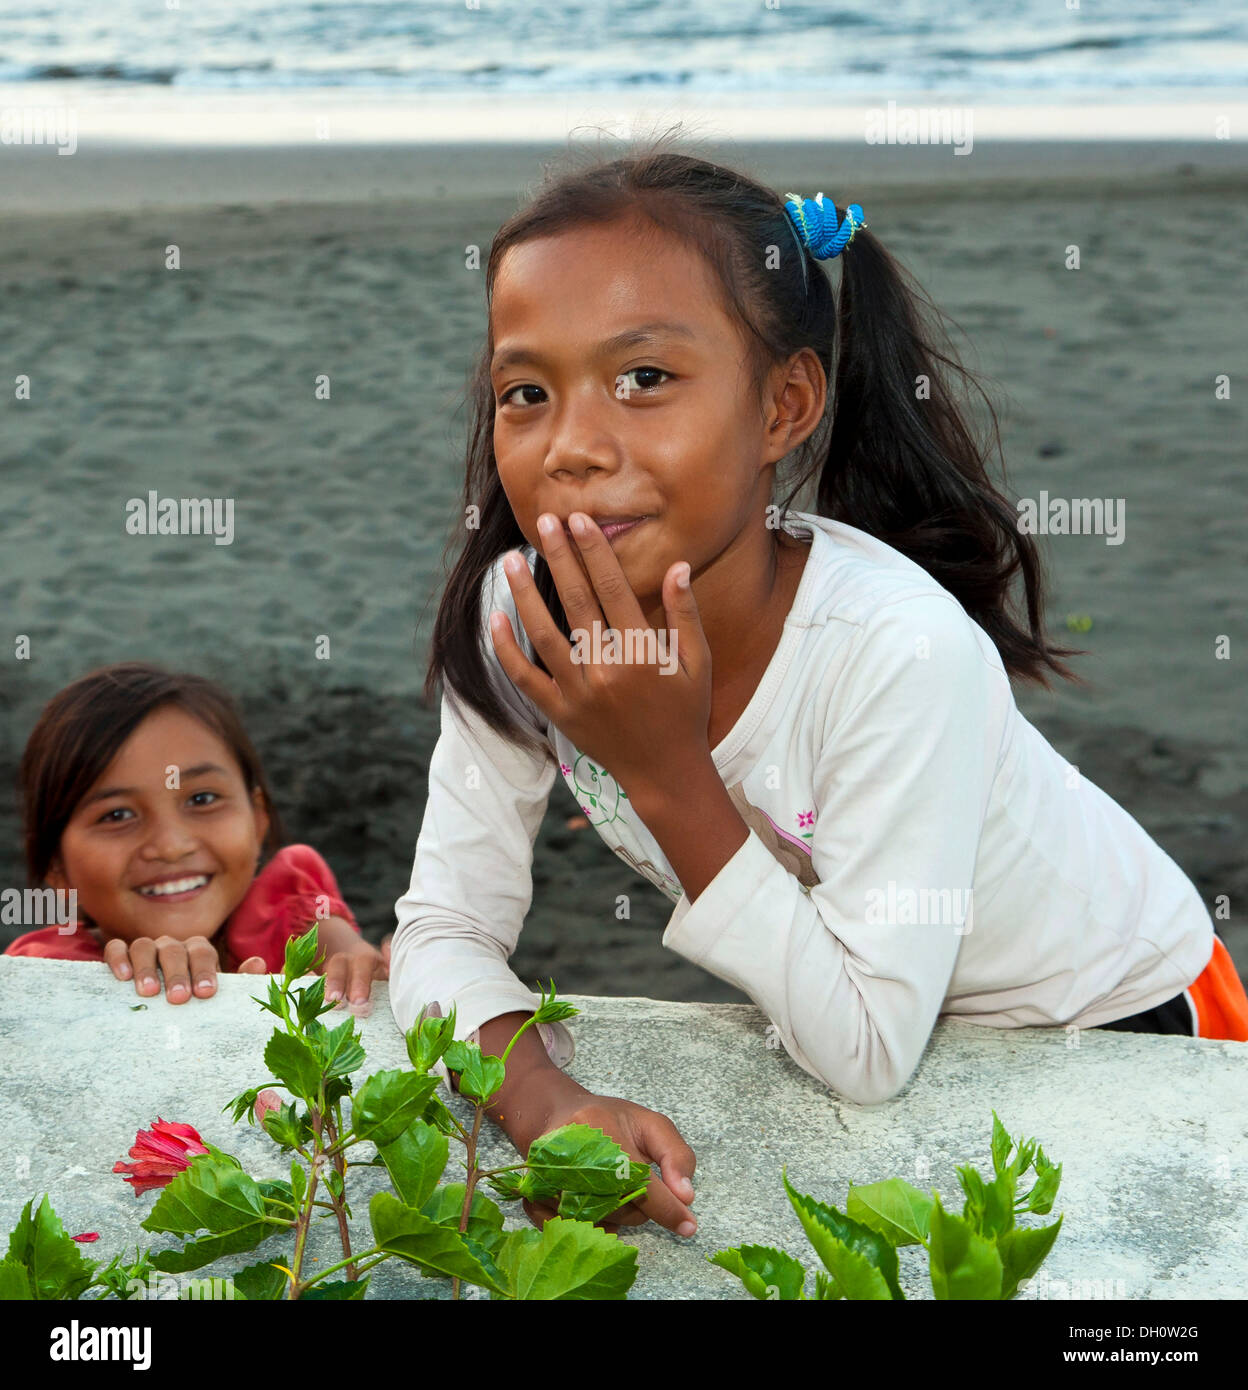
point(333, 994)
point(513, 564)
point(686, 1228)
point(204, 984)
point(547, 525)
point(126, 972)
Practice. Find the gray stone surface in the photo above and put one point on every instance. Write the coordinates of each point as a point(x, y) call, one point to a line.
point(1151, 1130)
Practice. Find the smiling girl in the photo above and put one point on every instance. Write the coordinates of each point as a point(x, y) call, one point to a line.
point(836, 790)
point(142, 793)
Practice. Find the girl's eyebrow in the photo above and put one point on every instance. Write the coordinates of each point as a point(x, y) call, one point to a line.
point(631, 337)
point(199, 770)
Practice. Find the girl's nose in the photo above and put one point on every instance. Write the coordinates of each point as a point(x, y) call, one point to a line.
point(168, 840)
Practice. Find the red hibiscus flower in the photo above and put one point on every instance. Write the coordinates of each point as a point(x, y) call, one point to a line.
point(162, 1152)
point(87, 1237)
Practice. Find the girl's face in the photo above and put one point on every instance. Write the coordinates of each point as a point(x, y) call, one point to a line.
point(133, 832)
point(621, 388)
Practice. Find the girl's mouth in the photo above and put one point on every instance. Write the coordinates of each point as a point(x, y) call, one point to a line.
point(621, 528)
point(175, 890)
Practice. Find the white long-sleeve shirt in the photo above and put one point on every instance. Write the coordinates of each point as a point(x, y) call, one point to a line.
point(916, 847)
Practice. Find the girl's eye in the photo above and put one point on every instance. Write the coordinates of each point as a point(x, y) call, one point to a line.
point(106, 818)
point(205, 803)
point(656, 371)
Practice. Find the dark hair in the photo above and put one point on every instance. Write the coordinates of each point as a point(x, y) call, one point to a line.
point(81, 729)
point(907, 470)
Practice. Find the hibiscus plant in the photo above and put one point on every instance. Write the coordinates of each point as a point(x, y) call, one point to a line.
point(980, 1254)
point(449, 1231)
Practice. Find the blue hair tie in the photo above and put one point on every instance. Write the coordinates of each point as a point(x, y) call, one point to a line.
point(815, 224)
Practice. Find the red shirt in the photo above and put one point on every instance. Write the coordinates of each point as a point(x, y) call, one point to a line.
point(293, 890)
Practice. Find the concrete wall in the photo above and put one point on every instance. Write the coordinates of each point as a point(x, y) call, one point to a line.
point(1151, 1130)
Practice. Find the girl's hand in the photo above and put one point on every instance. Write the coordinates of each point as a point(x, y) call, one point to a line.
point(635, 720)
point(179, 961)
point(645, 1135)
point(349, 975)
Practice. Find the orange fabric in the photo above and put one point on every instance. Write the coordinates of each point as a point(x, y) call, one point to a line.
point(1218, 993)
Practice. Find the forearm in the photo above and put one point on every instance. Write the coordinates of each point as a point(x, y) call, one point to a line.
point(334, 934)
point(698, 847)
point(517, 1108)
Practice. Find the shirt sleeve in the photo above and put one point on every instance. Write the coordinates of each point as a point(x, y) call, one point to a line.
point(852, 983)
point(472, 882)
point(294, 889)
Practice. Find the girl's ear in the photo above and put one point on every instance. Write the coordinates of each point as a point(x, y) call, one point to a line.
point(55, 876)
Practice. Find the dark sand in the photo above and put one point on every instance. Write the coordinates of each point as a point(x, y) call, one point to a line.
point(201, 383)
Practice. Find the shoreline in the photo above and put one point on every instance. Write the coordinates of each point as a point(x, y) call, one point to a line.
point(38, 181)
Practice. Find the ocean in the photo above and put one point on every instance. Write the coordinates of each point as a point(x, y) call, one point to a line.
point(1006, 51)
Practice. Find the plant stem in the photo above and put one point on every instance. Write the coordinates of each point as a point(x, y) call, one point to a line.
point(343, 1264)
point(471, 1182)
point(340, 1168)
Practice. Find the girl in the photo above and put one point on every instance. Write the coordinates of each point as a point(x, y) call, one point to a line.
point(834, 786)
point(142, 793)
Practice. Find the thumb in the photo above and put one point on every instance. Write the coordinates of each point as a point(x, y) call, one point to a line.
point(683, 618)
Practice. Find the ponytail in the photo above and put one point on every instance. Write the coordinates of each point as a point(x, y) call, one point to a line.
point(902, 464)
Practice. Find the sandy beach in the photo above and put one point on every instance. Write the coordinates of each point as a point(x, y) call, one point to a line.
point(308, 261)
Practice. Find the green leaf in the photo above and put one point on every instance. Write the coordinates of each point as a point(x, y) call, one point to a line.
point(578, 1158)
point(14, 1281)
point(301, 954)
point(388, 1102)
point(294, 1063)
point(436, 1114)
point(1022, 1252)
point(261, 1282)
point(963, 1265)
point(411, 1235)
point(1001, 1143)
point(1048, 1178)
point(242, 1103)
point(346, 1289)
point(861, 1261)
point(770, 1275)
point(552, 1010)
point(333, 1180)
point(209, 1195)
point(447, 1203)
point(593, 1206)
point(989, 1207)
point(311, 1001)
point(416, 1161)
point(53, 1262)
point(195, 1254)
point(428, 1038)
point(566, 1260)
point(298, 1182)
point(285, 1127)
point(479, 1076)
point(894, 1209)
point(339, 1049)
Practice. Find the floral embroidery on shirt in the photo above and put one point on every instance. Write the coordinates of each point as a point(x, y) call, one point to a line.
point(805, 818)
point(596, 786)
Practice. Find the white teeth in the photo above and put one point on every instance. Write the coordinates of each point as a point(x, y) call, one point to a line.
point(179, 885)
